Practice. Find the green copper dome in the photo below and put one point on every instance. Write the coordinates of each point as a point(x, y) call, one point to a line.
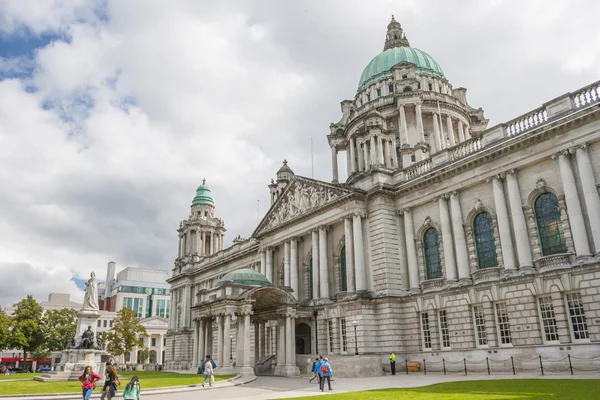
point(203, 195)
point(245, 276)
point(381, 65)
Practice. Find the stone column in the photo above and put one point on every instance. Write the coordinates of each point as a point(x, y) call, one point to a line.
point(394, 154)
point(360, 155)
point(286, 263)
point(461, 132)
point(518, 221)
point(508, 253)
point(352, 155)
point(172, 322)
point(315, 263)
point(402, 257)
point(450, 130)
point(263, 262)
point(256, 342)
point(161, 348)
point(590, 193)
point(220, 340)
point(201, 344)
point(289, 348)
point(451, 273)
point(349, 243)
point(373, 152)
point(323, 264)
point(411, 250)
point(403, 126)
point(460, 241)
point(269, 258)
point(367, 162)
point(582, 247)
point(263, 339)
point(180, 248)
point(294, 267)
point(434, 141)
point(420, 131)
point(380, 153)
point(203, 247)
point(246, 340)
point(212, 243)
point(195, 345)
point(185, 309)
point(359, 254)
point(281, 341)
point(334, 164)
point(226, 334)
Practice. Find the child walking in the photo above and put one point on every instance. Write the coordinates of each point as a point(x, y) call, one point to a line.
point(132, 390)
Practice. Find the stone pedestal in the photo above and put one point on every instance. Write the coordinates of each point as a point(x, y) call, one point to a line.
point(73, 363)
point(86, 318)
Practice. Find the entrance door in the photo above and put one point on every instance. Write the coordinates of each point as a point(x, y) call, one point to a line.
point(303, 339)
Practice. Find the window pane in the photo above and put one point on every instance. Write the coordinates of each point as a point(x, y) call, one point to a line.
point(444, 329)
point(577, 316)
point(484, 241)
point(426, 331)
point(343, 283)
point(480, 330)
point(344, 339)
point(503, 324)
point(432, 254)
point(548, 319)
point(547, 215)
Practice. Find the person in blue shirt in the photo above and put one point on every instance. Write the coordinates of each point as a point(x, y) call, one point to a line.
point(314, 371)
point(326, 373)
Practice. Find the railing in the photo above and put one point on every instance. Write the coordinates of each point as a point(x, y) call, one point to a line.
point(417, 169)
point(466, 148)
point(486, 275)
point(526, 122)
point(432, 285)
point(555, 261)
point(587, 95)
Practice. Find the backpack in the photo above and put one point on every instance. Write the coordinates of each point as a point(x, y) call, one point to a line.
point(214, 364)
point(201, 369)
point(324, 369)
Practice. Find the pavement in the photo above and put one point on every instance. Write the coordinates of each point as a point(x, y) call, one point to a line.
point(263, 387)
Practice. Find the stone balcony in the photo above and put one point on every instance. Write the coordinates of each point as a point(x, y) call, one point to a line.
point(433, 285)
point(553, 262)
point(487, 275)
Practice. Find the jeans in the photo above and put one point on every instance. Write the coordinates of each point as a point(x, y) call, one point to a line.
point(206, 376)
point(393, 367)
point(322, 383)
point(87, 393)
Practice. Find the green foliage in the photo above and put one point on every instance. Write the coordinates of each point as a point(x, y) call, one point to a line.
point(5, 327)
point(59, 326)
point(143, 355)
point(125, 334)
point(27, 333)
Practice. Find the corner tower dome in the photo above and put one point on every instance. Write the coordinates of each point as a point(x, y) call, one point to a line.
point(245, 276)
point(203, 195)
point(397, 49)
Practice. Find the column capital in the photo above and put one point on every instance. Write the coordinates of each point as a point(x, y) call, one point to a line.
point(360, 214)
point(499, 177)
point(453, 193)
point(512, 171)
point(583, 146)
point(324, 227)
point(565, 152)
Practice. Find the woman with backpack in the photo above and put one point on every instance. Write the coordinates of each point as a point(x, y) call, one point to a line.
point(325, 373)
point(132, 390)
point(110, 384)
point(209, 372)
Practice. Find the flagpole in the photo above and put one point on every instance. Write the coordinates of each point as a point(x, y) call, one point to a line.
point(312, 161)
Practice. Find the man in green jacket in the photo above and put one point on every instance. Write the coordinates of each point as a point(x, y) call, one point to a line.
point(393, 362)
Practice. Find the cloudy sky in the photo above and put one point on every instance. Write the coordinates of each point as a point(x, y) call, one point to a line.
point(112, 112)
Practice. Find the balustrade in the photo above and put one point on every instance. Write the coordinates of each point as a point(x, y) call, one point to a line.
point(526, 122)
point(466, 148)
point(588, 95)
point(418, 169)
point(555, 261)
point(486, 275)
point(432, 285)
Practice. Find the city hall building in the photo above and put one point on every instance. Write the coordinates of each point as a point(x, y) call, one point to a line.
point(449, 239)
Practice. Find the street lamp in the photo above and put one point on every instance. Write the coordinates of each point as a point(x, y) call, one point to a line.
point(355, 323)
point(230, 349)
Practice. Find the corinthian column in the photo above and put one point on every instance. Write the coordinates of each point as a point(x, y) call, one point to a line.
point(323, 267)
point(451, 274)
point(286, 263)
point(373, 155)
point(419, 116)
point(590, 193)
point(334, 164)
point(226, 334)
point(403, 127)
point(263, 262)
point(315, 264)
point(366, 160)
point(461, 132)
point(518, 220)
point(359, 255)
point(508, 253)
point(403, 258)
point(220, 340)
point(580, 239)
point(460, 242)
point(352, 156)
point(294, 267)
point(350, 273)
point(246, 340)
point(195, 345)
point(270, 265)
point(450, 130)
point(411, 250)
point(435, 141)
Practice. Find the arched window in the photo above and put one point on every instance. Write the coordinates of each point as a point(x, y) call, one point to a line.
point(484, 241)
point(343, 283)
point(310, 278)
point(407, 89)
point(547, 215)
point(433, 264)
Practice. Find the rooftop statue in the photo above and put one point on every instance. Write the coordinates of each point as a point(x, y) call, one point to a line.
point(90, 300)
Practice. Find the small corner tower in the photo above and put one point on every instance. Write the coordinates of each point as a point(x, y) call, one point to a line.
point(202, 234)
point(395, 36)
point(284, 176)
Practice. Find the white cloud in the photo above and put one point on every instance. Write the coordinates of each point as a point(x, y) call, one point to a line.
point(145, 98)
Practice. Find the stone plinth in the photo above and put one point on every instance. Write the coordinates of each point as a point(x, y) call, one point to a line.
point(73, 363)
point(86, 318)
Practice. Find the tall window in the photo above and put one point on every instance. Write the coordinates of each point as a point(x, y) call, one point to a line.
point(343, 280)
point(330, 335)
point(547, 215)
point(433, 264)
point(344, 337)
point(479, 320)
point(579, 329)
point(484, 241)
point(390, 89)
point(444, 329)
point(549, 328)
point(503, 324)
point(426, 331)
point(310, 279)
point(378, 92)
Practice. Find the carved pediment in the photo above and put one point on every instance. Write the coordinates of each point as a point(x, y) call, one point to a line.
point(302, 196)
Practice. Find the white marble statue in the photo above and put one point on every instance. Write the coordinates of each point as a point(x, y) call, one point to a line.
point(90, 300)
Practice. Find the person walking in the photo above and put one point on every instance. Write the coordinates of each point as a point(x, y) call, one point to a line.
point(132, 390)
point(326, 373)
point(315, 371)
point(393, 362)
point(88, 382)
point(209, 372)
point(110, 383)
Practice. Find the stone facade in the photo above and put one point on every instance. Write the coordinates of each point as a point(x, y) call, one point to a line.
point(449, 239)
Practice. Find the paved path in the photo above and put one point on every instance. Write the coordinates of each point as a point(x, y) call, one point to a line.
point(274, 388)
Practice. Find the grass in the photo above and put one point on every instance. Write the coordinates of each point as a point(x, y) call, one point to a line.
point(23, 376)
point(148, 380)
point(517, 389)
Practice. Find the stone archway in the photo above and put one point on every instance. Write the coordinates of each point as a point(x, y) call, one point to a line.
point(303, 338)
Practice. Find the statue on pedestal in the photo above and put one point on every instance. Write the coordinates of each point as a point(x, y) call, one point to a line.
point(87, 339)
point(90, 299)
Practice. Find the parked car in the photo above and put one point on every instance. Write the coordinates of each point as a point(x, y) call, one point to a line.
point(17, 370)
point(44, 369)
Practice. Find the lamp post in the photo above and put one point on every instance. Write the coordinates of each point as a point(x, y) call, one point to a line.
point(231, 350)
point(355, 323)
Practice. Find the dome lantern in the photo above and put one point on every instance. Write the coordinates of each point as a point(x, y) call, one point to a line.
point(395, 36)
point(203, 195)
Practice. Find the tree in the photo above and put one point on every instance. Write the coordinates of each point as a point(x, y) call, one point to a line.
point(5, 328)
point(27, 331)
point(143, 355)
point(59, 326)
point(125, 334)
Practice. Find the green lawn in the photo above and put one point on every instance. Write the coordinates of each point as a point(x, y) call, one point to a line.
point(516, 389)
point(148, 379)
point(19, 376)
